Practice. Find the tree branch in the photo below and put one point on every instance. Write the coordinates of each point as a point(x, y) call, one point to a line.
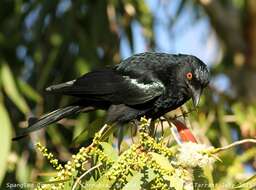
point(217, 150)
point(84, 174)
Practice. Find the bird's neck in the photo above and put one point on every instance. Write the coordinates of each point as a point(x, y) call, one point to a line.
point(170, 102)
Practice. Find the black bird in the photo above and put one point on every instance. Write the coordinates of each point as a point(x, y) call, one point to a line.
point(146, 84)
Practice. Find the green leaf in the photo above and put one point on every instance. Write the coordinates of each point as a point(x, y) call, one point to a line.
point(10, 89)
point(29, 92)
point(81, 121)
point(101, 184)
point(249, 183)
point(23, 170)
point(82, 66)
point(200, 180)
point(5, 139)
point(67, 185)
point(89, 131)
point(135, 182)
point(162, 161)
point(225, 130)
point(151, 174)
point(56, 39)
point(139, 179)
point(48, 66)
point(109, 151)
point(175, 181)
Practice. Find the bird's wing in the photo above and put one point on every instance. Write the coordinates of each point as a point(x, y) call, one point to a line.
point(112, 86)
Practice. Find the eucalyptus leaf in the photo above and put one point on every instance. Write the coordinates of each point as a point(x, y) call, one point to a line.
point(162, 161)
point(23, 170)
point(249, 183)
point(175, 181)
point(101, 184)
point(88, 131)
point(200, 180)
point(29, 92)
point(11, 90)
point(109, 151)
point(5, 139)
point(135, 182)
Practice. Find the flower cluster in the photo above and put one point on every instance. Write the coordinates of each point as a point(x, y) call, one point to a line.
point(192, 155)
point(53, 161)
point(160, 167)
point(74, 167)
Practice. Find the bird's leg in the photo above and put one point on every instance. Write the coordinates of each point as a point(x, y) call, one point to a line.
point(135, 123)
point(162, 126)
point(120, 137)
point(152, 128)
point(155, 127)
point(131, 135)
point(183, 111)
point(184, 114)
point(162, 120)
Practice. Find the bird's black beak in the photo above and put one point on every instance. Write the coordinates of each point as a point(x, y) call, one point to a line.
point(196, 96)
point(196, 93)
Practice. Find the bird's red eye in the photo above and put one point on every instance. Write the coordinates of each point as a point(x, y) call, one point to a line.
point(189, 76)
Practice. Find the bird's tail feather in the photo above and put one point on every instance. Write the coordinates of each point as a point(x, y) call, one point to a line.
point(49, 119)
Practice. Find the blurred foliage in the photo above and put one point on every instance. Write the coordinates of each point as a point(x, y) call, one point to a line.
point(48, 42)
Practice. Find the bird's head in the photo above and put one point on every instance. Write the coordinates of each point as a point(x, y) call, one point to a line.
point(194, 75)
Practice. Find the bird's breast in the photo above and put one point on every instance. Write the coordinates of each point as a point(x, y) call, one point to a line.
point(167, 104)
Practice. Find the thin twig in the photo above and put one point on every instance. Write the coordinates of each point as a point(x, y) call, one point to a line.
point(217, 150)
point(105, 131)
point(84, 174)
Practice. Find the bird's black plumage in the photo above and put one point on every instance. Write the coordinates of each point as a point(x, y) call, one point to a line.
point(149, 84)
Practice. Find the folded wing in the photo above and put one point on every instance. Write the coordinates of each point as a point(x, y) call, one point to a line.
point(112, 86)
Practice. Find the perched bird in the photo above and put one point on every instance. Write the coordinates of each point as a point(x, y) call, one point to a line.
point(147, 84)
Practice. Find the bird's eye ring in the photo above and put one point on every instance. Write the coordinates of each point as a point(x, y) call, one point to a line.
point(189, 76)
